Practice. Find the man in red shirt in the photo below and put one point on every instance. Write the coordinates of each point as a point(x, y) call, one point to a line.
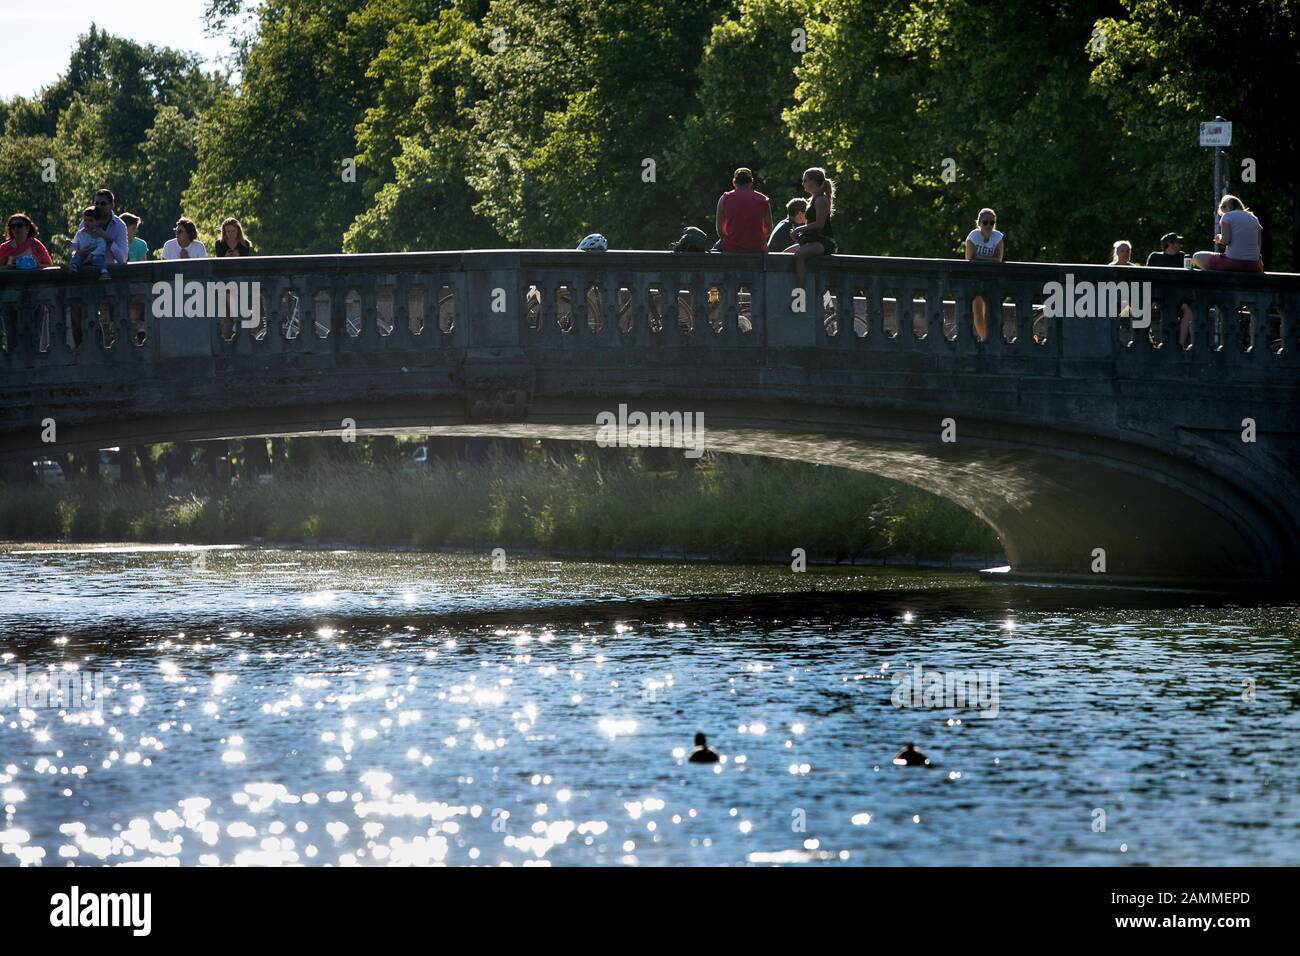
point(744, 216)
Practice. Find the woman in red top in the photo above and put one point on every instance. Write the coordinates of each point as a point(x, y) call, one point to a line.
point(22, 249)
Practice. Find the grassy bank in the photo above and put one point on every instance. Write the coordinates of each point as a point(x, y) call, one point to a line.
point(732, 507)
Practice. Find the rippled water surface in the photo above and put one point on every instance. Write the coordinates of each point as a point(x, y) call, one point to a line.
point(359, 708)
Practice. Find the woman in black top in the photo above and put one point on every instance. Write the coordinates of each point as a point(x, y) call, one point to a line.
point(814, 236)
point(232, 241)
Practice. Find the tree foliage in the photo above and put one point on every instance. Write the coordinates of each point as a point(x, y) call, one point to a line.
point(122, 115)
point(416, 144)
point(1164, 71)
point(473, 123)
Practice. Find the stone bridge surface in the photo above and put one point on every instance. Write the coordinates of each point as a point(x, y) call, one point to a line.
point(1070, 436)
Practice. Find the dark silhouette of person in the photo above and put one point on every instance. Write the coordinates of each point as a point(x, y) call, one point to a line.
point(702, 753)
point(909, 756)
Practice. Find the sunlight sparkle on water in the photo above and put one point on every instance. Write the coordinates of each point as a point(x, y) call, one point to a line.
point(417, 734)
point(616, 726)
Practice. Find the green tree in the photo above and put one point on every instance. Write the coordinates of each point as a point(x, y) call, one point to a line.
point(279, 152)
point(23, 188)
point(416, 143)
point(578, 96)
point(166, 160)
point(1166, 69)
point(530, 122)
point(82, 158)
point(131, 82)
point(99, 122)
point(889, 92)
point(747, 83)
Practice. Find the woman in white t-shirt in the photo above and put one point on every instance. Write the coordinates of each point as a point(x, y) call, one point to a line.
point(983, 244)
point(186, 245)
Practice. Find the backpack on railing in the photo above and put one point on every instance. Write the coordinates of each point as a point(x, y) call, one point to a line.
point(692, 240)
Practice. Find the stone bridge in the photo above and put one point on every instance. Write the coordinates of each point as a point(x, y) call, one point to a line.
point(1084, 442)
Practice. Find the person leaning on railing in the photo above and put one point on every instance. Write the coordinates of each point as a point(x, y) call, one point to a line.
point(186, 245)
point(22, 248)
point(983, 244)
point(114, 228)
point(1121, 254)
point(1171, 256)
point(233, 242)
point(138, 249)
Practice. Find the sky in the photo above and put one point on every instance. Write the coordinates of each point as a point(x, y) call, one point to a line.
point(40, 34)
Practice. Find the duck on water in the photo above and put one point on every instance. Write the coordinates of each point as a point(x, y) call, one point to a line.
point(702, 753)
point(909, 756)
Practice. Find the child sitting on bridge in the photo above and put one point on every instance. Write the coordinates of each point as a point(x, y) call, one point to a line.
point(90, 244)
point(795, 215)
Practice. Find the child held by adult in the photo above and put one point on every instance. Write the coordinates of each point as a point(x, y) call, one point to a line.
point(90, 244)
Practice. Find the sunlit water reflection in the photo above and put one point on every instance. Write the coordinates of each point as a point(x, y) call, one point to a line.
point(356, 708)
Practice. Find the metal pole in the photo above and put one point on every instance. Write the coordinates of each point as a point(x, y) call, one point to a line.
point(1217, 151)
point(1218, 179)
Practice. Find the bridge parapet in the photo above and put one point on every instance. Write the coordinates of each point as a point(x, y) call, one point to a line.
point(567, 300)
